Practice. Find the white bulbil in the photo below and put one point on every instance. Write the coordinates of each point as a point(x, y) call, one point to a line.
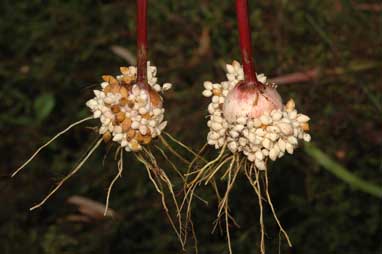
point(276, 115)
point(207, 93)
point(281, 144)
point(289, 148)
point(234, 133)
point(259, 155)
point(166, 86)
point(260, 164)
point(266, 143)
point(266, 120)
point(232, 146)
point(285, 128)
point(307, 137)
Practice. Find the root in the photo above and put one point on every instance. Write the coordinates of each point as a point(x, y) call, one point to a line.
point(168, 146)
point(250, 171)
point(201, 175)
point(207, 174)
point(226, 216)
point(224, 203)
point(273, 209)
point(170, 162)
point(204, 173)
point(50, 141)
point(197, 155)
point(229, 186)
point(153, 169)
point(256, 186)
point(194, 237)
point(188, 219)
point(74, 171)
point(232, 158)
point(262, 244)
point(119, 174)
point(195, 159)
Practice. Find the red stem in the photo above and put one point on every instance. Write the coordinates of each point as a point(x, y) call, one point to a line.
point(142, 42)
point(245, 43)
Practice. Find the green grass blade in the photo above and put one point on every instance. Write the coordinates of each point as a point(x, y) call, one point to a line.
point(341, 172)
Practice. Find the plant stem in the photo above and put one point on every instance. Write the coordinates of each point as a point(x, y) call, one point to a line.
point(245, 42)
point(142, 43)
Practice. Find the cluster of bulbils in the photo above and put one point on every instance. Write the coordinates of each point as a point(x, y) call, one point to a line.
point(129, 114)
point(257, 124)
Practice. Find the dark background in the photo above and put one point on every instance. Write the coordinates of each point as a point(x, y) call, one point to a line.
point(53, 53)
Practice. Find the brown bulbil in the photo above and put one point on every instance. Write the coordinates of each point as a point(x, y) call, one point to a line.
point(126, 124)
point(139, 137)
point(120, 117)
point(111, 89)
point(123, 91)
point(128, 80)
point(134, 145)
point(107, 89)
point(155, 98)
point(140, 101)
point(123, 101)
point(106, 137)
point(305, 126)
point(130, 103)
point(146, 116)
point(130, 134)
point(124, 70)
point(115, 109)
point(115, 88)
point(146, 139)
point(110, 79)
point(216, 92)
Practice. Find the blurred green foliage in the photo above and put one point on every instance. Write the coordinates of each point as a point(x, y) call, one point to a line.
point(54, 52)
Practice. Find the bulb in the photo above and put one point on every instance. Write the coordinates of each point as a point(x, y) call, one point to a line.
point(252, 119)
point(246, 100)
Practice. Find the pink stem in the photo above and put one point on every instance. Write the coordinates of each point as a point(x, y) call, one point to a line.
point(142, 42)
point(245, 43)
